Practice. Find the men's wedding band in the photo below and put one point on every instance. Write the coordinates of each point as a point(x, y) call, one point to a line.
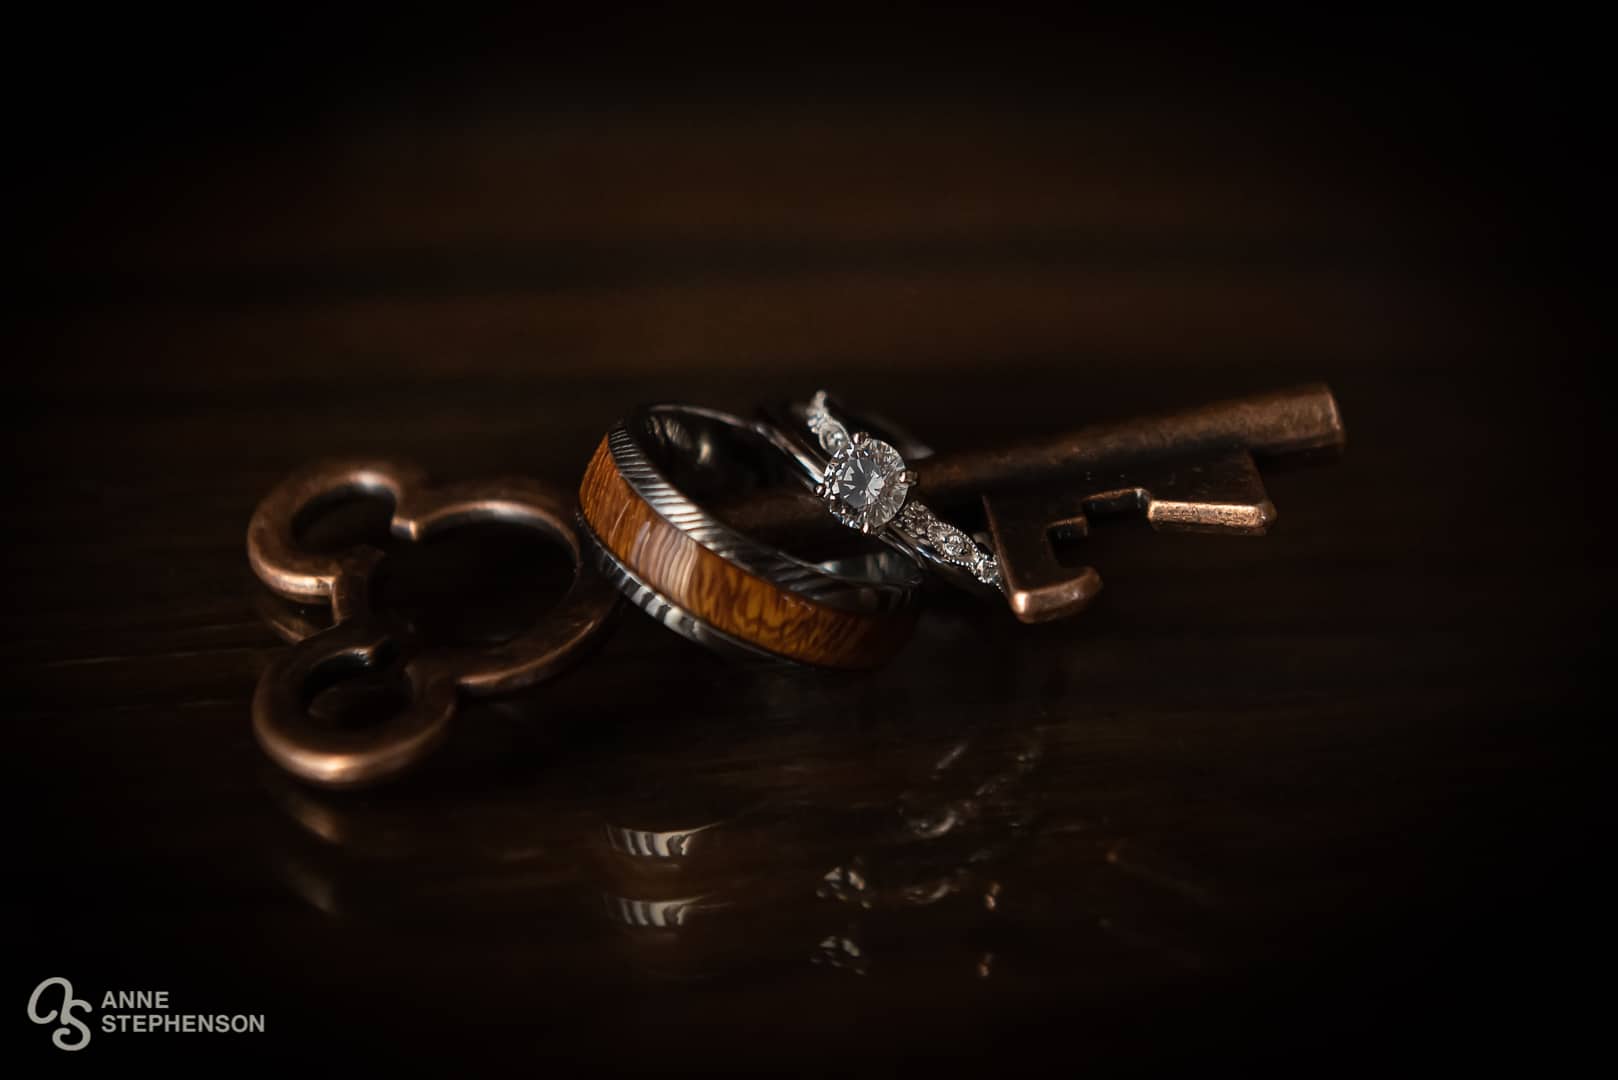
point(642, 506)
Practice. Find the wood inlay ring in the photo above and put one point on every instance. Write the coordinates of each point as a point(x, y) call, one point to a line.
point(721, 594)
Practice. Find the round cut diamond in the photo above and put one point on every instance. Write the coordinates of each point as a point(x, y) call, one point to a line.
point(865, 484)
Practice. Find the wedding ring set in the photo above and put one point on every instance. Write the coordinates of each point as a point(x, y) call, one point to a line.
point(642, 506)
point(642, 526)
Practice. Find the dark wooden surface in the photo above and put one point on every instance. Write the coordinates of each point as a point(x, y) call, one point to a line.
point(1312, 799)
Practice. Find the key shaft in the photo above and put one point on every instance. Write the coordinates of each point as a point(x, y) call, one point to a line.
point(1298, 421)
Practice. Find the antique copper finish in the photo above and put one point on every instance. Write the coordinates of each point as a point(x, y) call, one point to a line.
point(359, 639)
point(1224, 494)
point(1187, 471)
point(1191, 471)
point(1277, 424)
point(1269, 426)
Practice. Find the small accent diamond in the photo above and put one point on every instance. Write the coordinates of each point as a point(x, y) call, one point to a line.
point(916, 516)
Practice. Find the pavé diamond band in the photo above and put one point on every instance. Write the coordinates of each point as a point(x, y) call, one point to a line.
point(866, 484)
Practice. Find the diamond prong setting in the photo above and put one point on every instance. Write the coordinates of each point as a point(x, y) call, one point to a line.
point(865, 483)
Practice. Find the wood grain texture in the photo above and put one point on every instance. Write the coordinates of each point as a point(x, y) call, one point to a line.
point(722, 594)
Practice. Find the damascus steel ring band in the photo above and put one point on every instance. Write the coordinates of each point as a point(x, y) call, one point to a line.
point(642, 507)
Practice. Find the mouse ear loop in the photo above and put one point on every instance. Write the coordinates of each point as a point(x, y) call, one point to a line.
point(330, 756)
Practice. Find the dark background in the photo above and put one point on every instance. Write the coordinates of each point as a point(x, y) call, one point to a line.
point(1319, 800)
